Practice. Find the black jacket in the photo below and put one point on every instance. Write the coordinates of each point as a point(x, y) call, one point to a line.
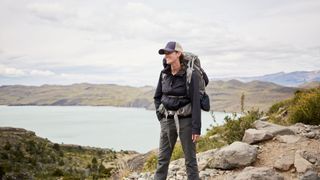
point(175, 85)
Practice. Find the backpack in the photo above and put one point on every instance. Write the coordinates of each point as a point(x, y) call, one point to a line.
point(194, 66)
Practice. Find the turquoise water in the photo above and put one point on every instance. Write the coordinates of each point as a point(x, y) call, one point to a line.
point(99, 126)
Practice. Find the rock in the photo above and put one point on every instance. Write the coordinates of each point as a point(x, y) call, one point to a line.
point(288, 138)
point(252, 136)
point(309, 131)
point(204, 174)
point(310, 175)
point(301, 164)
point(204, 157)
point(274, 129)
point(284, 163)
point(174, 168)
point(310, 135)
point(313, 158)
point(258, 173)
point(238, 154)
point(264, 118)
point(134, 175)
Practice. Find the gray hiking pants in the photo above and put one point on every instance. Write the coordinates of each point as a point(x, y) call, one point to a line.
point(168, 138)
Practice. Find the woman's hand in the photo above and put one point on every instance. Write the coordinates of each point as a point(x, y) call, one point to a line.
point(195, 137)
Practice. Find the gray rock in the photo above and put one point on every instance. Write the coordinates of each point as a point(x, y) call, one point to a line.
point(284, 163)
point(238, 154)
point(311, 135)
point(264, 118)
point(204, 157)
point(252, 136)
point(134, 175)
point(301, 164)
point(274, 129)
point(288, 138)
point(310, 175)
point(258, 173)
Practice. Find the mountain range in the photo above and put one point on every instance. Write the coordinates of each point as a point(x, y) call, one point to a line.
point(224, 95)
point(292, 79)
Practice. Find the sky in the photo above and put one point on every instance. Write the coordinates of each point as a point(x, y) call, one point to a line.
point(117, 42)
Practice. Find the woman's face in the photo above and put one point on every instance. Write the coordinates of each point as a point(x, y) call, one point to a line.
point(172, 57)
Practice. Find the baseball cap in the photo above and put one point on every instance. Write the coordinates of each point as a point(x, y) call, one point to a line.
point(170, 47)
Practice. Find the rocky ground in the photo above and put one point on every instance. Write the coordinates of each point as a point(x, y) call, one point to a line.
point(267, 152)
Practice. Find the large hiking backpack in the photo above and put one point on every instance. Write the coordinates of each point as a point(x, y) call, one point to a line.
point(194, 66)
point(192, 62)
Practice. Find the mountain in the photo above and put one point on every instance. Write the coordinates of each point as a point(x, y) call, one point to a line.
point(224, 95)
point(293, 79)
point(77, 94)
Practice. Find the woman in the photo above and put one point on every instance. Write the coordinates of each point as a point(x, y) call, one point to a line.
point(171, 95)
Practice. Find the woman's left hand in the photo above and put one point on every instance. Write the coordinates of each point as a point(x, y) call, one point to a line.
point(195, 137)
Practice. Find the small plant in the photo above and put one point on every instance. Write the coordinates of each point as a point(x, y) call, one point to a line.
point(177, 152)
point(151, 162)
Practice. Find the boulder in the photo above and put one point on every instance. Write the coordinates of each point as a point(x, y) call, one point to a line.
point(258, 173)
point(204, 157)
point(252, 136)
point(301, 164)
point(237, 154)
point(284, 162)
point(310, 175)
point(274, 129)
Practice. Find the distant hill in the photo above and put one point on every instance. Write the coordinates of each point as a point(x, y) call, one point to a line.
point(293, 79)
point(77, 94)
point(224, 95)
point(310, 85)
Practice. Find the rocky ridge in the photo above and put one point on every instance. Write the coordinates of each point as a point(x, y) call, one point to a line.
point(267, 151)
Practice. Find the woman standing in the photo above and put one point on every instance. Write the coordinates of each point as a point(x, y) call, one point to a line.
point(171, 95)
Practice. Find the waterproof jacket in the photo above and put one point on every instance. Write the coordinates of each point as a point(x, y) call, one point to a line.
point(172, 93)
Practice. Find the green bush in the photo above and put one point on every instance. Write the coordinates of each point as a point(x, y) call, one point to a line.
point(151, 162)
point(234, 127)
point(57, 172)
point(177, 152)
point(306, 107)
point(282, 104)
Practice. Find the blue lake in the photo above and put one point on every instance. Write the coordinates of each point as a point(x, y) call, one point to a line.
point(99, 126)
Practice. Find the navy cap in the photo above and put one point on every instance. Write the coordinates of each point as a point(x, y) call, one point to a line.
point(170, 47)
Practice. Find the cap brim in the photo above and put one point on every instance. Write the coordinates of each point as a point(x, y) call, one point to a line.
point(162, 51)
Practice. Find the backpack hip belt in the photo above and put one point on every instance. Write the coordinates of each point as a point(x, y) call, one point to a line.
point(183, 111)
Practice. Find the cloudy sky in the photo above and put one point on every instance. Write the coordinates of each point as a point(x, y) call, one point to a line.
point(104, 41)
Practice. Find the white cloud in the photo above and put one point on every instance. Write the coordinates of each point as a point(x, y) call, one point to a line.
point(255, 37)
point(41, 73)
point(11, 72)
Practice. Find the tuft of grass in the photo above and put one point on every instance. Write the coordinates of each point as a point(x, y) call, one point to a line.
point(151, 163)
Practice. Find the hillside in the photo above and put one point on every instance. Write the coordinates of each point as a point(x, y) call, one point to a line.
point(267, 151)
point(224, 95)
point(23, 155)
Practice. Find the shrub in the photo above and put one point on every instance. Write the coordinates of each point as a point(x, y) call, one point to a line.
point(234, 127)
point(57, 172)
point(177, 152)
point(151, 162)
point(282, 104)
point(306, 107)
